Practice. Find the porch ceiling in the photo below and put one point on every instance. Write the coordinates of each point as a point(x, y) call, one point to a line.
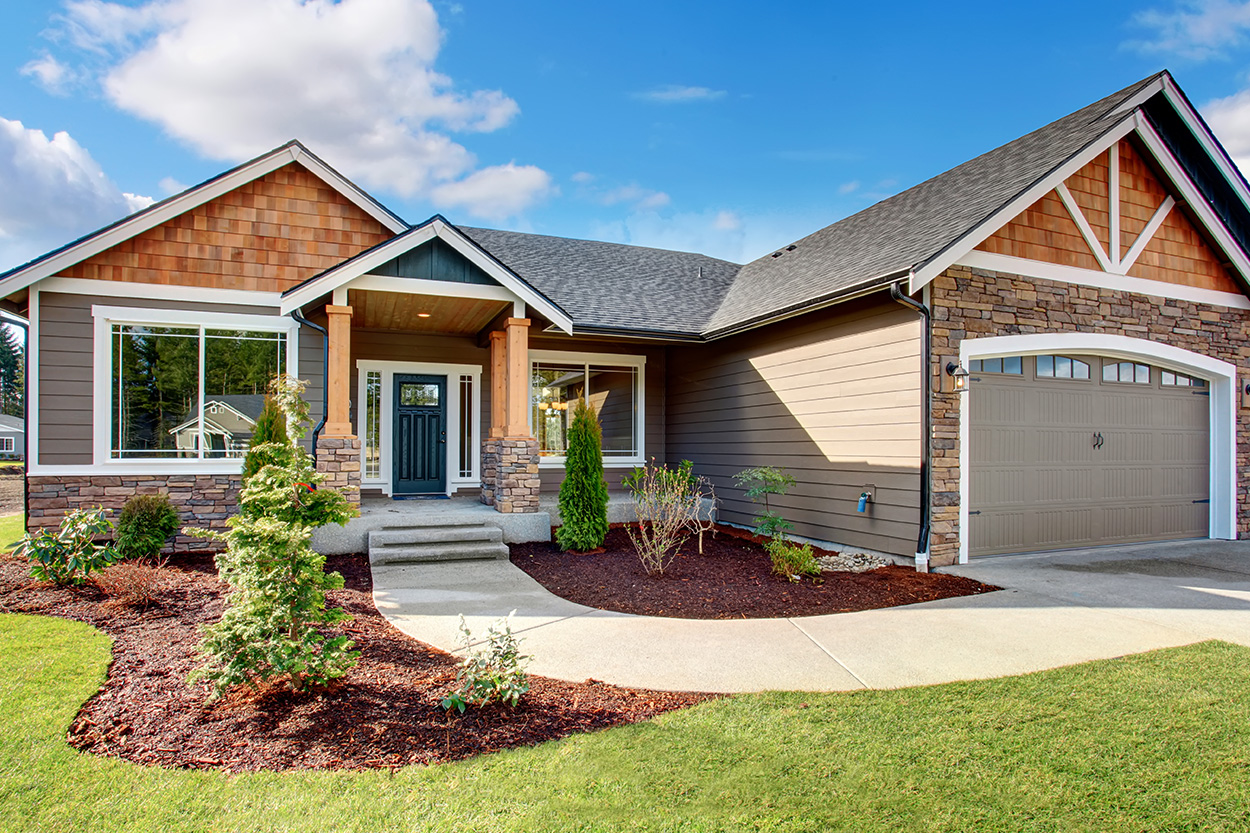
point(377, 310)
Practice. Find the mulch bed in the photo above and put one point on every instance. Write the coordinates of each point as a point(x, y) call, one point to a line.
point(384, 713)
point(732, 579)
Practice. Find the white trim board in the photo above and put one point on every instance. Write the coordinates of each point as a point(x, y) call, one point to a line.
point(453, 372)
point(194, 198)
point(1103, 280)
point(163, 292)
point(1221, 376)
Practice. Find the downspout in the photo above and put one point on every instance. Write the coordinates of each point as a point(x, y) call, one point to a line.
point(298, 315)
point(926, 418)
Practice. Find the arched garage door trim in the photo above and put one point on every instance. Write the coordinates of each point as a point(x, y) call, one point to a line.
point(1219, 374)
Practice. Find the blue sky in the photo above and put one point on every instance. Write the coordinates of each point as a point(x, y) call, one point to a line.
point(729, 128)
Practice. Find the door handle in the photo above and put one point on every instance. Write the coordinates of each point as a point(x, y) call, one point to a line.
point(1098, 439)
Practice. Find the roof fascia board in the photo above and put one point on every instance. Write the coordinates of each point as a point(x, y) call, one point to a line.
point(859, 290)
point(1193, 198)
point(1203, 133)
point(977, 235)
point(344, 186)
point(1143, 95)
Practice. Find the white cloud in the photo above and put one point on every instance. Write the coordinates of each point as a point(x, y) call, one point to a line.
point(51, 191)
point(636, 195)
point(1230, 119)
point(172, 186)
point(676, 94)
point(582, 177)
point(719, 233)
point(726, 221)
point(498, 192)
point(1195, 29)
point(50, 74)
point(848, 187)
point(353, 79)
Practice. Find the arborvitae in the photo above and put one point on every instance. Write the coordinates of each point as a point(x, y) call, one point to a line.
point(270, 428)
point(583, 494)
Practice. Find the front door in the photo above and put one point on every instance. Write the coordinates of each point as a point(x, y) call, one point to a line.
point(420, 441)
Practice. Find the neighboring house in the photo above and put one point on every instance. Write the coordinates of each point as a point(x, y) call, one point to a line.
point(12, 437)
point(1091, 277)
point(228, 423)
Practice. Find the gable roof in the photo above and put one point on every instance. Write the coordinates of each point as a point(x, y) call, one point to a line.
point(12, 423)
point(92, 244)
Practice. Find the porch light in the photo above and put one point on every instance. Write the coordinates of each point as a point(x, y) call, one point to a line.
point(958, 375)
point(423, 315)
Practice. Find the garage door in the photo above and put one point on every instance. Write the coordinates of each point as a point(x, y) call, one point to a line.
point(1076, 451)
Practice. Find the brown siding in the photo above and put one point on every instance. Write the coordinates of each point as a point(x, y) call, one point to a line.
point(267, 235)
point(66, 344)
point(832, 397)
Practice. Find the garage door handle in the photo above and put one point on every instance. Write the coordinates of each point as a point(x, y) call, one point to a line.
point(1098, 440)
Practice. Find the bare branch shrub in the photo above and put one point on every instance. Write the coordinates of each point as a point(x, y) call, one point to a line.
point(134, 584)
point(668, 503)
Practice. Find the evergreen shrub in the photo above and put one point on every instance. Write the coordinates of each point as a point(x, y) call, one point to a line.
point(144, 525)
point(583, 494)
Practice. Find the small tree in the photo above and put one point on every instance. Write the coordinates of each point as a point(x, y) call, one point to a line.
point(669, 505)
point(759, 483)
point(583, 494)
point(271, 627)
point(270, 428)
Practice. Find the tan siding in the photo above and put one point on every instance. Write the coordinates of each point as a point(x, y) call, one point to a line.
point(66, 344)
point(833, 397)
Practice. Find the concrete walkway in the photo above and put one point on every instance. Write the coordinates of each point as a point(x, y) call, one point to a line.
point(1055, 610)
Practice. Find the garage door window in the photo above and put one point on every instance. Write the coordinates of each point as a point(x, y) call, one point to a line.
point(1130, 372)
point(1011, 364)
point(1061, 367)
point(1180, 380)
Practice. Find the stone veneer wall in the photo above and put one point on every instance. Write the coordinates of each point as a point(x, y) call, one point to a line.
point(510, 480)
point(203, 500)
point(338, 458)
point(972, 303)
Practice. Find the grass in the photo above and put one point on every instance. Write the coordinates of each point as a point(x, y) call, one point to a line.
point(12, 528)
point(1158, 741)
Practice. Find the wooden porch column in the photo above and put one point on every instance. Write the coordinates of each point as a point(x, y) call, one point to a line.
point(517, 330)
point(338, 371)
point(498, 384)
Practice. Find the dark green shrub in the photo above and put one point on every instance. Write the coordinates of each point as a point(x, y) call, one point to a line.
point(270, 428)
point(583, 494)
point(69, 554)
point(144, 525)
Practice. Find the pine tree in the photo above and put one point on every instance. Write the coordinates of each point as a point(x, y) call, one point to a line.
point(12, 375)
point(270, 428)
point(583, 494)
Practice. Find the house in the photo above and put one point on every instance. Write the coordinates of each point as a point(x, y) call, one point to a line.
point(12, 437)
point(225, 426)
point(1037, 349)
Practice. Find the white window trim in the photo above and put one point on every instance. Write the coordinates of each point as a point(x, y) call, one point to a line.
point(453, 372)
point(639, 363)
point(1221, 378)
point(105, 317)
point(8, 445)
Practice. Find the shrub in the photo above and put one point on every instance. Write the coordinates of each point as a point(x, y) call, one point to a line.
point(132, 584)
point(271, 627)
point(668, 503)
point(792, 560)
point(760, 482)
point(583, 494)
point(144, 525)
point(494, 673)
point(270, 428)
point(70, 554)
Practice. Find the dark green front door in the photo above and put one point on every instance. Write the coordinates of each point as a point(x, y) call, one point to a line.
point(420, 442)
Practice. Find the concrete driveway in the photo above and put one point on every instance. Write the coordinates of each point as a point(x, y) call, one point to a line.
point(1054, 610)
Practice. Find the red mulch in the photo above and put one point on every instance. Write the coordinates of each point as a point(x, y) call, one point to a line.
point(733, 579)
point(384, 713)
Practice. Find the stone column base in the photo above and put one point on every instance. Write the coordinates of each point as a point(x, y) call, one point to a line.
point(510, 474)
point(338, 458)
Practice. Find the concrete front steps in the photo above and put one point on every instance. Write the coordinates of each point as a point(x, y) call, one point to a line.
point(434, 539)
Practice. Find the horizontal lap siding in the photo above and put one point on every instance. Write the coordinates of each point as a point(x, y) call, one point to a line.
point(66, 345)
point(833, 397)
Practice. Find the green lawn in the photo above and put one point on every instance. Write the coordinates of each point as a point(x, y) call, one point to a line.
point(1152, 742)
point(12, 528)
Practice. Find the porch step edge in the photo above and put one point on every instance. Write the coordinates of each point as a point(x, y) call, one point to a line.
point(453, 551)
point(401, 536)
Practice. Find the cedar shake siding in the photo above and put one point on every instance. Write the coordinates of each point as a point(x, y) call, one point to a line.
point(66, 342)
point(832, 397)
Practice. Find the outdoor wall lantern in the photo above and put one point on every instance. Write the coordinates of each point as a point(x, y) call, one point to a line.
point(959, 376)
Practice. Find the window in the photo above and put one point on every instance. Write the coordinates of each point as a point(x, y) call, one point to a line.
point(179, 385)
point(1126, 372)
point(6, 445)
point(1180, 380)
point(373, 425)
point(1061, 367)
point(466, 427)
point(613, 390)
point(1011, 364)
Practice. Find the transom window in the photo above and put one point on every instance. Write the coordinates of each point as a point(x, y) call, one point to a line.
point(1131, 372)
point(188, 392)
point(1061, 367)
point(613, 390)
point(1010, 364)
point(1180, 380)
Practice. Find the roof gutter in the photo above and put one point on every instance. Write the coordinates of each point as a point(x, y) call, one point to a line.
point(926, 430)
point(298, 315)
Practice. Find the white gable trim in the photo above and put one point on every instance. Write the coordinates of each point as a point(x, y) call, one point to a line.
point(1014, 208)
point(194, 198)
point(355, 272)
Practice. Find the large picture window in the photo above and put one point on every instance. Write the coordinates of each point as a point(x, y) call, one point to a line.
point(613, 390)
point(188, 392)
